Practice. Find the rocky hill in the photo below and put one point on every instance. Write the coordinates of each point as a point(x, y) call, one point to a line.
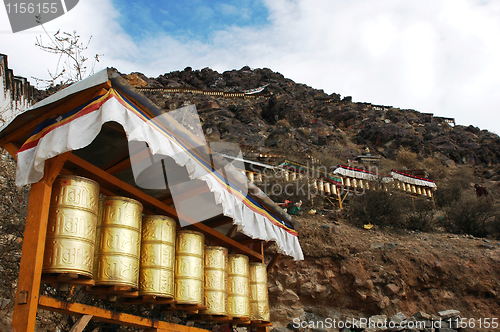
point(300, 118)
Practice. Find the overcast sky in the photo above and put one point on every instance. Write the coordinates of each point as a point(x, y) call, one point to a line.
point(440, 57)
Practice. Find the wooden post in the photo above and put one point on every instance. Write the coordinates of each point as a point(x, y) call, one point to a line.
point(30, 271)
point(339, 199)
point(259, 247)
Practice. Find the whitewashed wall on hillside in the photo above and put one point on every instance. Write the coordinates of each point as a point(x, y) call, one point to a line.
point(15, 93)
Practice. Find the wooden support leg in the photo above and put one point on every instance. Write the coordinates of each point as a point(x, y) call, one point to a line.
point(273, 261)
point(30, 271)
point(81, 323)
point(259, 247)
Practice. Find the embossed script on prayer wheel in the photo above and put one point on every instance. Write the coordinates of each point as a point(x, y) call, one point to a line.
point(259, 298)
point(238, 286)
point(215, 280)
point(71, 226)
point(156, 273)
point(189, 267)
point(118, 242)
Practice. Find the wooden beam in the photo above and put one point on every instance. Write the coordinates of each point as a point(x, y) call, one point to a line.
point(30, 271)
point(113, 184)
point(55, 166)
point(81, 323)
point(248, 241)
point(121, 166)
point(115, 162)
point(108, 316)
point(12, 149)
point(168, 201)
point(60, 109)
point(268, 244)
point(232, 230)
point(221, 222)
point(273, 261)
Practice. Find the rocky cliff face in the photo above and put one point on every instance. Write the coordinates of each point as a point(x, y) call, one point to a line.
point(295, 117)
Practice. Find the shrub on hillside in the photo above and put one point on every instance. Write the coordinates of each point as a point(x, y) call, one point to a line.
point(453, 188)
point(380, 208)
point(435, 168)
point(472, 215)
point(406, 158)
point(421, 216)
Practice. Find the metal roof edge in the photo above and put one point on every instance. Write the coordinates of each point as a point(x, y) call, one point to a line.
point(91, 81)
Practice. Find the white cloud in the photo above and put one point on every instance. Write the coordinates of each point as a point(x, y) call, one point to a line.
point(433, 56)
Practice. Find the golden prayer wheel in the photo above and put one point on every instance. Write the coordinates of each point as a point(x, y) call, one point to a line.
point(118, 242)
point(327, 188)
point(251, 176)
point(71, 227)
point(215, 281)
point(189, 267)
point(156, 271)
point(259, 177)
point(419, 191)
point(238, 286)
point(259, 299)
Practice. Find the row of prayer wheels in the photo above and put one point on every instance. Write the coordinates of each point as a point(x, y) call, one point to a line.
point(109, 240)
point(410, 188)
point(318, 184)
